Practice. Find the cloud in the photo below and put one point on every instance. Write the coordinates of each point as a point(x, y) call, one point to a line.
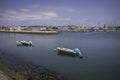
point(60, 8)
point(26, 14)
point(24, 10)
point(11, 12)
point(49, 13)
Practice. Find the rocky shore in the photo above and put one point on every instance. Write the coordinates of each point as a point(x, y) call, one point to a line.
point(26, 70)
point(30, 32)
point(3, 76)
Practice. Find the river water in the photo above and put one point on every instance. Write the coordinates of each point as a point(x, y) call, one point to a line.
point(101, 51)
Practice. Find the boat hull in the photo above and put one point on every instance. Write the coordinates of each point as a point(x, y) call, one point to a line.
point(24, 43)
point(68, 52)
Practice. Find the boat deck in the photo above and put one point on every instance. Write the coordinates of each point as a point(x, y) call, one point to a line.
point(65, 49)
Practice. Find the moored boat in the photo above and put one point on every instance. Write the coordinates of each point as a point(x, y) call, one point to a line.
point(24, 43)
point(75, 51)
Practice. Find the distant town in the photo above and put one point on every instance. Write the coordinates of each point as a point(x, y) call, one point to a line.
point(71, 28)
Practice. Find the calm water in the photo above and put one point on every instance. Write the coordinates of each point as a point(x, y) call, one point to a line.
point(101, 53)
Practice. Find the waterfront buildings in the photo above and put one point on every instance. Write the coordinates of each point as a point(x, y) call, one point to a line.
point(71, 28)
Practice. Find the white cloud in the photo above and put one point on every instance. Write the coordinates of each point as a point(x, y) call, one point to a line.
point(49, 13)
point(24, 10)
point(61, 8)
point(26, 14)
point(11, 12)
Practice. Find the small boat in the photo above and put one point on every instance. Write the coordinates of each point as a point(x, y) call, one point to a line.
point(75, 51)
point(24, 43)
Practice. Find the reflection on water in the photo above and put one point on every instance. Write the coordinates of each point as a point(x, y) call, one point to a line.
point(66, 55)
point(100, 49)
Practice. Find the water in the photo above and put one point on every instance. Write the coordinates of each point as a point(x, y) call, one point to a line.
point(101, 52)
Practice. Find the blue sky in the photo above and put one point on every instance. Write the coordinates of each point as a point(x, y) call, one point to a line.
point(59, 12)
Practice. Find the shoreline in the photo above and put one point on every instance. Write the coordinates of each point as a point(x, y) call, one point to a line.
point(3, 76)
point(29, 32)
point(18, 69)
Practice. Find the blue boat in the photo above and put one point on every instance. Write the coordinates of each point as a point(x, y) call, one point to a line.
point(75, 51)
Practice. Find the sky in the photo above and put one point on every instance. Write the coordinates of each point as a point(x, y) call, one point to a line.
point(59, 12)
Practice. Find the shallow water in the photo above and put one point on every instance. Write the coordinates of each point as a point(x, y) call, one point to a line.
point(101, 52)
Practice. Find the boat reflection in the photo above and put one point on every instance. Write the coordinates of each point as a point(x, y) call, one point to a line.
point(66, 55)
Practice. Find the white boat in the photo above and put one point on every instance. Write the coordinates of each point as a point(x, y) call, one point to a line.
point(75, 51)
point(24, 43)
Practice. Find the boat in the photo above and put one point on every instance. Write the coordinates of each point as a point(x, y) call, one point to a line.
point(24, 43)
point(67, 51)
